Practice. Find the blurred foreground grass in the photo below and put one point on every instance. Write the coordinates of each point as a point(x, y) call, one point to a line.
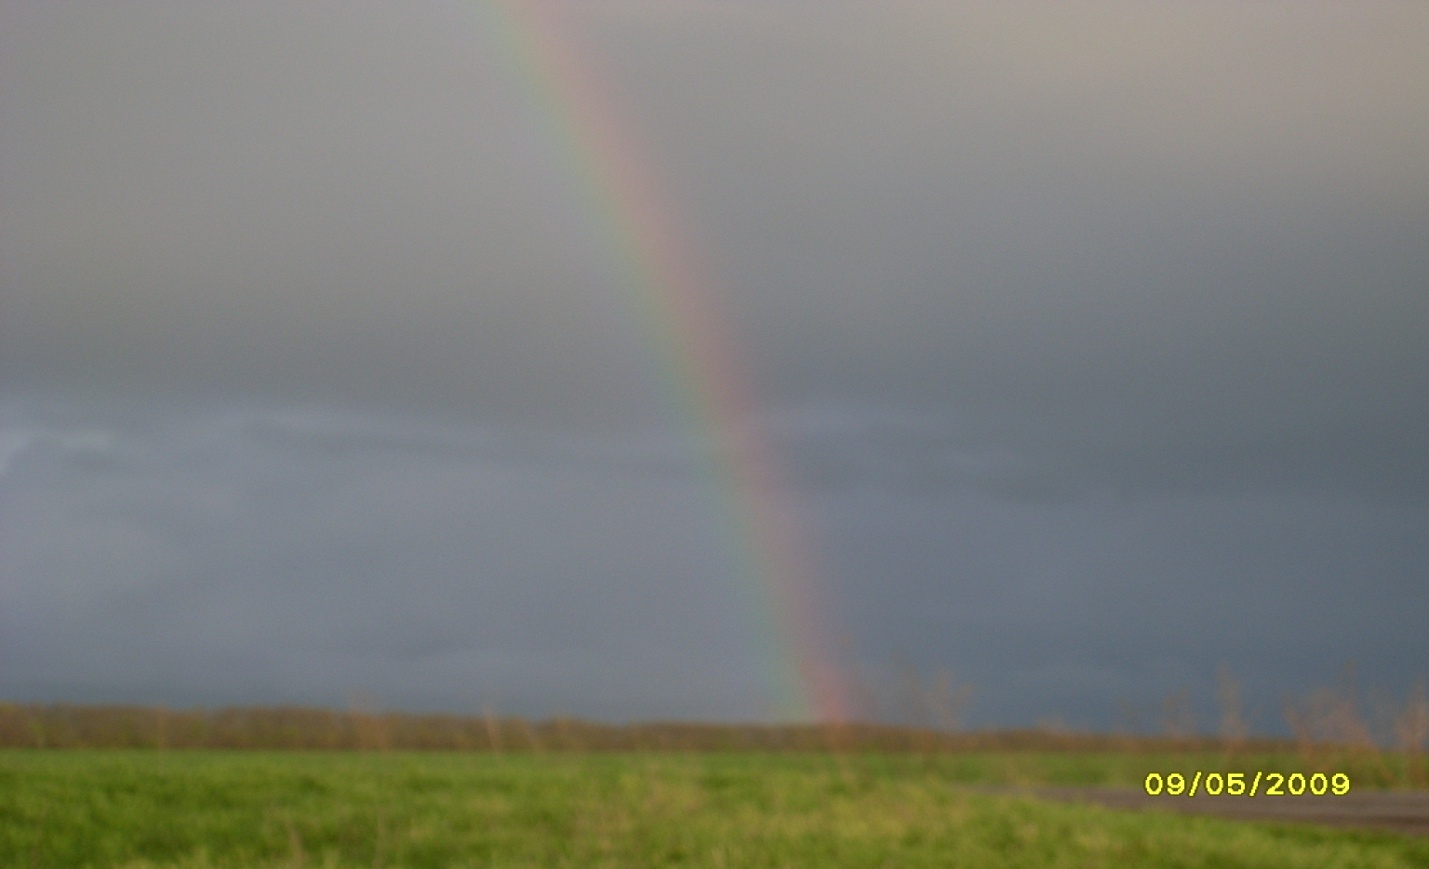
point(256, 809)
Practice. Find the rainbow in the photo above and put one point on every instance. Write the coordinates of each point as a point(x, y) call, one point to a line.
point(698, 356)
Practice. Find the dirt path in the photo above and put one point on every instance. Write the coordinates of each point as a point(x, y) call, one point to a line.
point(1404, 812)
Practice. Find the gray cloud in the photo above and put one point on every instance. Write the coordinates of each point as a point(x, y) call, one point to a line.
point(221, 563)
point(1090, 340)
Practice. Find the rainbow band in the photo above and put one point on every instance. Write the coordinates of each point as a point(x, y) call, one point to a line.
point(698, 354)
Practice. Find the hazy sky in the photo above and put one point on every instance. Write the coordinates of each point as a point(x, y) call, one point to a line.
point(1092, 341)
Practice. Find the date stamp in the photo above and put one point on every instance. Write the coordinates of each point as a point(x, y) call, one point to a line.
point(1243, 784)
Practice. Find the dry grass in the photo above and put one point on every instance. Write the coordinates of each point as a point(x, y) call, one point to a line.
point(1330, 731)
point(1333, 731)
point(281, 728)
point(1411, 734)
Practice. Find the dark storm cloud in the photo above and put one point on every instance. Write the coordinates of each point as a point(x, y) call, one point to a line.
point(1090, 339)
point(1146, 595)
point(1177, 247)
point(339, 436)
point(216, 564)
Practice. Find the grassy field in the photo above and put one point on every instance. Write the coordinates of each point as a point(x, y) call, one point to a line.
point(285, 809)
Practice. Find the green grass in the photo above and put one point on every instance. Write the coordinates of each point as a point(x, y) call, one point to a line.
point(215, 809)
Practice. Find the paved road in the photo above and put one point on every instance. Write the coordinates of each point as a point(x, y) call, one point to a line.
point(1398, 811)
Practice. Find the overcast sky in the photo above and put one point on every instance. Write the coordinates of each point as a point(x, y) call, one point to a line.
point(1092, 341)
